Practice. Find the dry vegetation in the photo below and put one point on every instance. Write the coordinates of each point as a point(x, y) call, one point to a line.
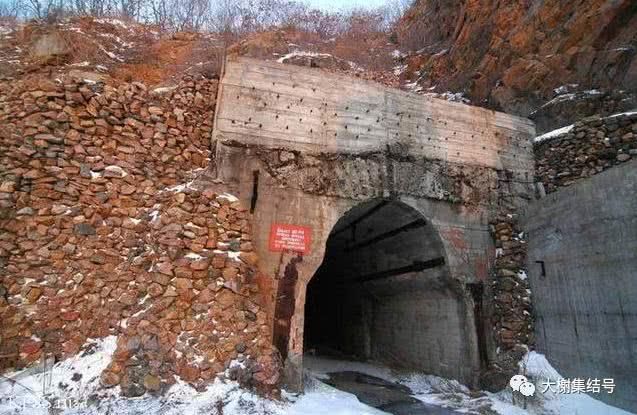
point(155, 40)
point(230, 17)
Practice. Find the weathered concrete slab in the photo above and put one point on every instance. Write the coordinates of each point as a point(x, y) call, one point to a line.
point(585, 302)
point(277, 105)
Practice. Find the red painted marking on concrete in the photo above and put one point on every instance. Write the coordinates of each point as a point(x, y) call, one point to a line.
point(285, 301)
point(284, 237)
point(455, 237)
point(481, 265)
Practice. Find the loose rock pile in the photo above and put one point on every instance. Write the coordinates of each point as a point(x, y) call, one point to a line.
point(98, 236)
point(590, 147)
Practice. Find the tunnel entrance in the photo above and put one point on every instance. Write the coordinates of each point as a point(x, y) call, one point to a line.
point(383, 293)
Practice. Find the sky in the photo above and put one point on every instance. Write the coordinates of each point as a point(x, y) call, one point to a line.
point(335, 5)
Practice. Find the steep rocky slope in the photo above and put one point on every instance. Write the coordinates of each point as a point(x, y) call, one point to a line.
point(518, 55)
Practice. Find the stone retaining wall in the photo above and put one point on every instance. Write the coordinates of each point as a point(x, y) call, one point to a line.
point(591, 146)
point(108, 226)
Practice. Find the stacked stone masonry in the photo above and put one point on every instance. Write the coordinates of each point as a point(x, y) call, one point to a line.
point(593, 145)
point(108, 227)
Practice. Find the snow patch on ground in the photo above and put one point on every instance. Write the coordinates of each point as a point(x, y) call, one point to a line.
point(416, 87)
point(429, 389)
point(114, 22)
point(110, 54)
point(449, 96)
point(72, 387)
point(413, 86)
point(399, 69)
point(564, 88)
point(55, 389)
point(163, 90)
point(564, 95)
point(66, 384)
point(537, 368)
point(322, 399)
point(451, 394)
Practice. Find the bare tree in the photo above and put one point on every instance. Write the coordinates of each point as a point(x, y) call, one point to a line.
point(95, 8)
point(10, 10)
point(393, 10)
point(50, 10)
point(224, 16)
point(229, 17)
point(160, 14)
point(189, 15)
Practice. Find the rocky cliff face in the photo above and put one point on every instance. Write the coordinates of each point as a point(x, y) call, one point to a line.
point(515, 55)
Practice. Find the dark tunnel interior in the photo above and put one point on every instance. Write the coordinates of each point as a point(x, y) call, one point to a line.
point(382, 293)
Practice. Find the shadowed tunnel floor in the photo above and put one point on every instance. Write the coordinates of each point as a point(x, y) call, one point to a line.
point(379, 393)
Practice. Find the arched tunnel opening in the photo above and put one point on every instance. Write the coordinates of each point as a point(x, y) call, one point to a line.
point(383, 294)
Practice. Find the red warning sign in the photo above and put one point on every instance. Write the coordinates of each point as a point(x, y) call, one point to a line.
point(285, 237)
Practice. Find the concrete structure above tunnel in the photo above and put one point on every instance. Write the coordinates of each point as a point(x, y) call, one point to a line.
point(303, 146)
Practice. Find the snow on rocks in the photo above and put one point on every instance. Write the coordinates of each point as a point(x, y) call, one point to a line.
point(400, 69)
point(114, 171)
point(211, 292)
point(227, 197)
point(316, 59)
point(5, 30)
point(563, 95)
point(538, 370)
point(64, 385)
point(163, 90)
point(551, 134)
point(449, 96)
point(73, 387)
point(297, 53)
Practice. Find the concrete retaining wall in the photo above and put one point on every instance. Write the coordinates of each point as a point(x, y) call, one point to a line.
point(586, 301)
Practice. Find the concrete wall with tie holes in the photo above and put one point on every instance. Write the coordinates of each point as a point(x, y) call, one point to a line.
point(304, 146)
point(582, 269)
